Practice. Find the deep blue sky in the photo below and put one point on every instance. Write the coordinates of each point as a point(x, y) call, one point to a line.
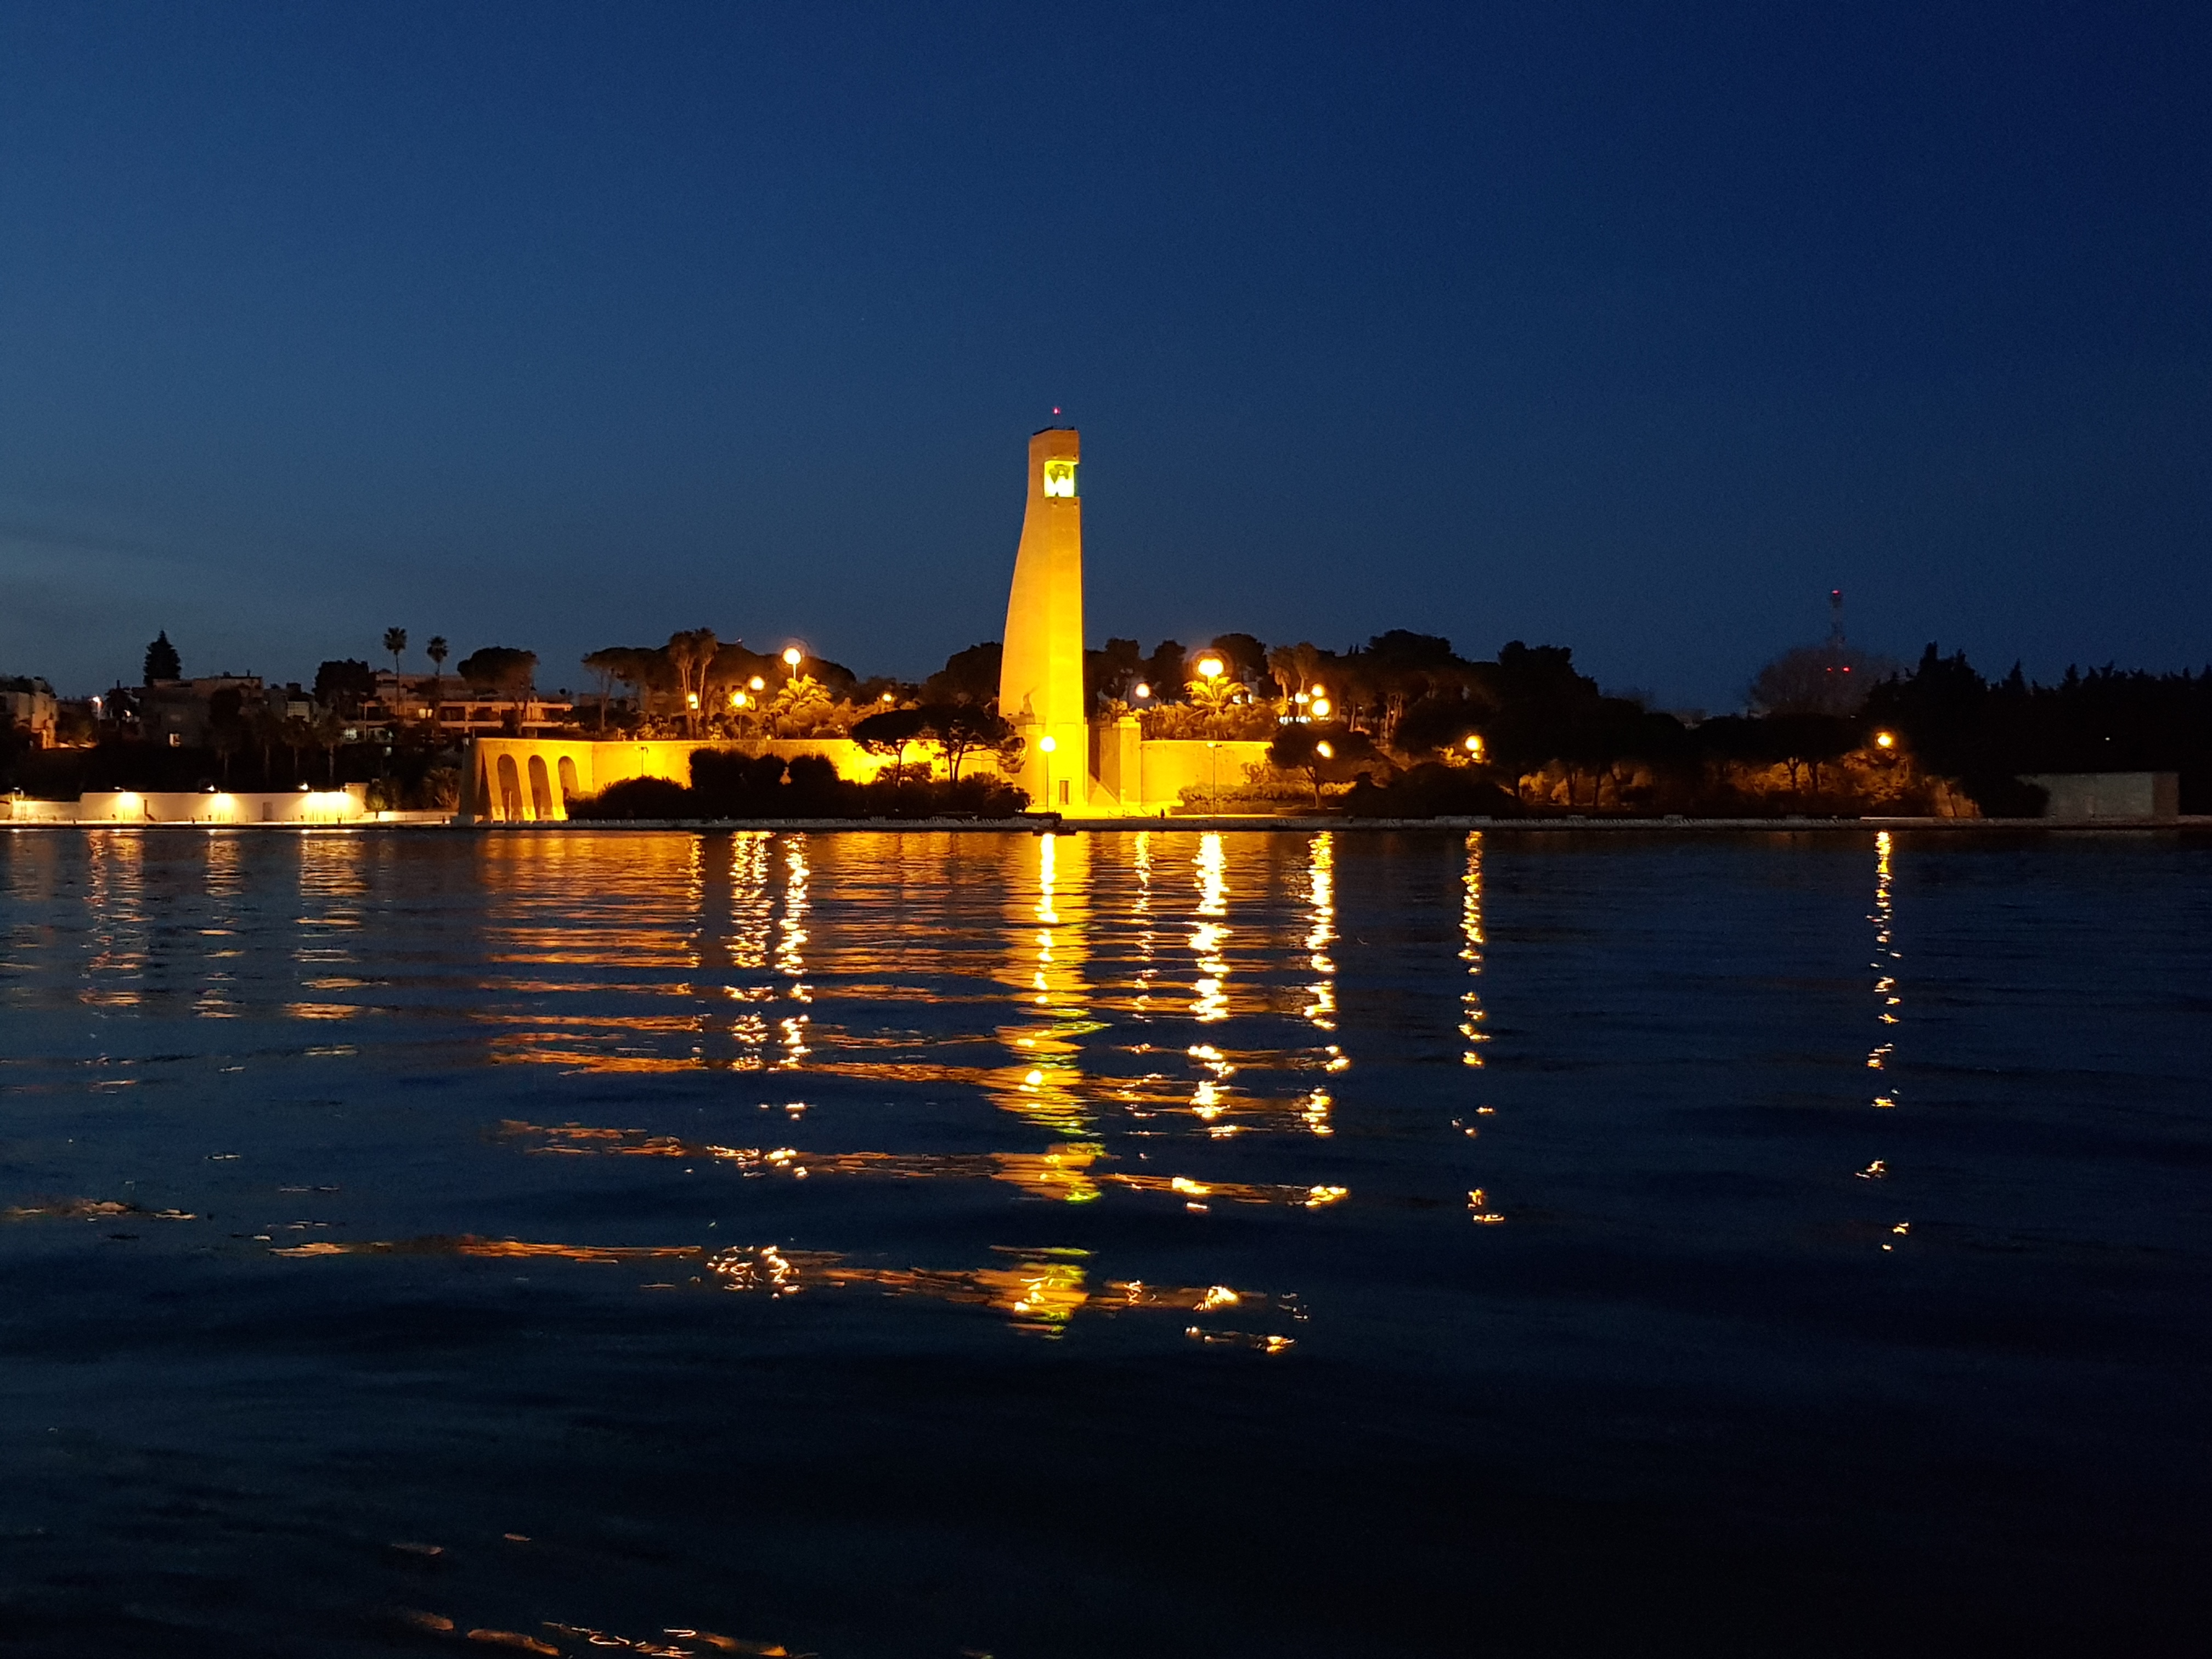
point(1634, 328)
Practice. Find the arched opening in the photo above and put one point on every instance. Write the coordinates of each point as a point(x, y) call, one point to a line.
point(569, 787)
point(541, 789)
point(510, 790)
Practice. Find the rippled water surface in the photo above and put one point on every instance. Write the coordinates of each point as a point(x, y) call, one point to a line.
point(1298, 1244)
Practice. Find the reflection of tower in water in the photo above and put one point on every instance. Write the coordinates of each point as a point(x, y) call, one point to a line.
point(1320, 993)
point(1887, 998)
point(1209, 997)
point(1886, 958)
point(1470, 952)
point(790, 952)
point(1044, 1084)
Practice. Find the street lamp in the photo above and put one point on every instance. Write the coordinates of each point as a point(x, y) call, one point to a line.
point(1143, 689)
point(1475, 745)
point(1885, 739)
point(757, 683)
point(1319, 706)
point(1046, 744)
point(793, 656)
point(1210, 667)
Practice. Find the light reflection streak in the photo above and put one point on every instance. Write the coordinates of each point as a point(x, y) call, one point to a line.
point(1886, 958)
point(790, 956)
point(1471, 948)
point(1044, 1080)
point(1888, 996)
point(1038, 1290)
point(115, 894)
point(1068, 1171)
point(1320, 902)
point(1210, 1001)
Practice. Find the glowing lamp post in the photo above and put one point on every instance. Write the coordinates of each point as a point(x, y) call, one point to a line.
point(1475, 747)
point(793, 656)
point(1046, 744)
point(1885, 739)
point(1210, 667)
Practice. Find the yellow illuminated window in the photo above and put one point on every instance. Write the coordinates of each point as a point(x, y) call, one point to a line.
point(1059, 477)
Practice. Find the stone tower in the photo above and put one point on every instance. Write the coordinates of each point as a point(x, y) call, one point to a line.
point(1041, 676)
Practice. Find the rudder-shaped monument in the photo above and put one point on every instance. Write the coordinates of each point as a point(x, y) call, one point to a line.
point(1041, 673)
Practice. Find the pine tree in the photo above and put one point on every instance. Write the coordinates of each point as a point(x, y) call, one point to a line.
point(162, 662)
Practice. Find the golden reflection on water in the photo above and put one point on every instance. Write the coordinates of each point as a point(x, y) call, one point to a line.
point(115, 894)
point(1471, 948)
point(1887, 998)
point(225, 887)
point(1042, 1080)
point(1038, 1289)
point(1209, 935)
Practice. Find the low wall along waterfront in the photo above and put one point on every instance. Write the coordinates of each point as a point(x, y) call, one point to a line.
point(532, 779)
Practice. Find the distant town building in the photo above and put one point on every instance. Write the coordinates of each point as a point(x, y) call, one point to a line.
point(461, 710)
point(30, 705)
point(178, 713)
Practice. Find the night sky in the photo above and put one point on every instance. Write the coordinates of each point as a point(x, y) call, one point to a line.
point(1632, 328)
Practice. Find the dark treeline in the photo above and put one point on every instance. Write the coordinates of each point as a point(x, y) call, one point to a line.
point(1402, 725)
point(1417, 729)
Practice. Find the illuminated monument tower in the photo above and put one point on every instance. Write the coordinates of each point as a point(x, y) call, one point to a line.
point(1041, 677)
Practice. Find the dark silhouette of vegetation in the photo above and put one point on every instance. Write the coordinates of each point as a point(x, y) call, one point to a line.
point(726, 786)
point(1326, 754)
point(1987, 734)
point(970, 676)
point(344, 685)
point(499, 668)
point(162, 662)
point(395, 645)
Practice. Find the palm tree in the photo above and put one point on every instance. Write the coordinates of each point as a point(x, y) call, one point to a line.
point(395, 641)
point(329, 729)
point(437, 650)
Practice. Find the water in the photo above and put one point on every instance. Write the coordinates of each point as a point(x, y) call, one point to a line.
point(1168, 1244)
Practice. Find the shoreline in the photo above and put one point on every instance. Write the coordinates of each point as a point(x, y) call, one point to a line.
point(1205, 825)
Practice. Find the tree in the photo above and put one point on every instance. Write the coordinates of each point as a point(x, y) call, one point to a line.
point(691, 654)
point(162, 662)
point(801, 706)
point(298, 736)
point(329, 730)
point(1817, 679)
point(264, 728)
point(891, 733)
point(1296, 667)
point(1809, 740)
point(1330, 753)
point(970, 676)
point(500, 668)
point(643, 668)
point(961, 727)
point(1166, 670)
point(226, 728)
point(1242, 656)
point(1109, 674)
point(345, 684)
point(395, 642)
point(437, 650)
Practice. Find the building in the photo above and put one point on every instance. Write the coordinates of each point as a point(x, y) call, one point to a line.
point(178, 713)
point(28, 704)
point(2087, 796)
point(461, 710)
